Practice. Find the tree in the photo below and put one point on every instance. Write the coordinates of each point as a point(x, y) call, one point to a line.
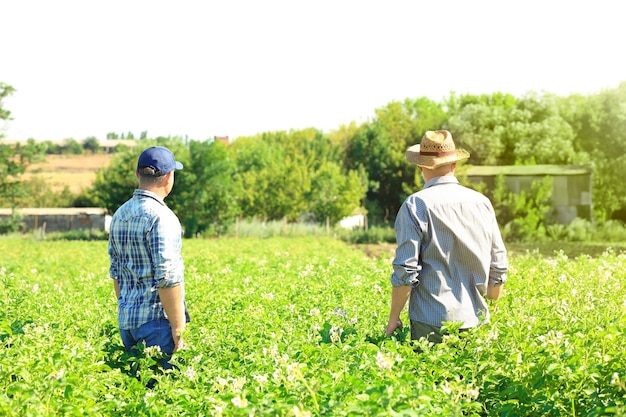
point(91, 144)
point(543, 136)
point(14, 160)
point(115, 183)
point(378, 148)
point(255, 161)
point(72, 147)
point(524, 214)
point(5, 91)
point(207, 191)
point(274, 170)
point(335, 195)
point(479, 123)
point(599, 121)
point(369, 151)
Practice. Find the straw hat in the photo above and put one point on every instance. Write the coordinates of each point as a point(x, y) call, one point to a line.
point(436, 149)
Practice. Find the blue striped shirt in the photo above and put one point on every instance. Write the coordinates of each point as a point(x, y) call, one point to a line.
point(449, 247)
point(145, 252)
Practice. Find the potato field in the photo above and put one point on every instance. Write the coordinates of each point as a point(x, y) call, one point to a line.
point(295, 327)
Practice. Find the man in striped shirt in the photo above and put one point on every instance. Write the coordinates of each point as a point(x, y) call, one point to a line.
point(146, 263)
point(450, 253)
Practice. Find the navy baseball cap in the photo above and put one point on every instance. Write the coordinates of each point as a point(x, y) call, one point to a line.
point(160, 159)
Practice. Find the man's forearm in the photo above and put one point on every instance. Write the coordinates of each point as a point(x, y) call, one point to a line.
point(494, 292)
point(399, 297)
point(116, 286)
point(171, 298)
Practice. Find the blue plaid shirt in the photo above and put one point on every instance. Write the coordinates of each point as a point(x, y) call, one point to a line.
point(449, 248)
point(145, 251)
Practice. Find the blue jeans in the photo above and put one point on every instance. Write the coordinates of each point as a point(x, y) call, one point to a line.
point(153, 333)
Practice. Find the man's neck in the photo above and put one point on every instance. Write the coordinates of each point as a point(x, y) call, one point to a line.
point(159, 191)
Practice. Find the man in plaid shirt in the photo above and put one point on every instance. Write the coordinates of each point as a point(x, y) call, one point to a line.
point(146, 263)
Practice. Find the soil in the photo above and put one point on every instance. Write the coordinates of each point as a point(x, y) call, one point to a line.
point(378, 250)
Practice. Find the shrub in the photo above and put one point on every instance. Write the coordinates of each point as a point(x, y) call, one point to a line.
point(11, 225)
point(376, 234)
point(524, 214)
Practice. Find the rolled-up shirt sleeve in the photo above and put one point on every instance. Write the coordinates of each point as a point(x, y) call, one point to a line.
point(165, 242)
point(114, 267)
point(408, 235)
point(499, 262)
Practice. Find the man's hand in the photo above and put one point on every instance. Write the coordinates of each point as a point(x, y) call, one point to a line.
point(179, 343)
point(174, 307)
point(399, 296)
point(392, 326)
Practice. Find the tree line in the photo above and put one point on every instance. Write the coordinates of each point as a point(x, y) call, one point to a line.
point(309, 175)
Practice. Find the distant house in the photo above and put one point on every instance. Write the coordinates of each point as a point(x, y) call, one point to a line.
point(224, 139)
point(352, 222)
point(61, 219)
point(571, 192)
point(111, 145)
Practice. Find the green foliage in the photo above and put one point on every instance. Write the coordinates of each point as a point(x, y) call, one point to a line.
point(478, 124)
point(206, 192)
point(5, 91)
point(523, 214)
point(287, 327)
point(37, 194)
point(370, 152)
point(598, 121)
point(72, 147)
point(12, 224)
point(51, 147)
point(502, 130)
point(375, 234)
point(274, 181)
point(83, 234)
point(286, 175)
point(255, 159)
point(91, 144)
point(115, 184)
point(610, 231)
point(377, 150)
point(333, 194)
point(13, 163)
point(275, 228)
point(581, 230)
point(304, 174)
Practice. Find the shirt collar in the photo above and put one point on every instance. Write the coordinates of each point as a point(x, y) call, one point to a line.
point(139, 192)
point(446, 179)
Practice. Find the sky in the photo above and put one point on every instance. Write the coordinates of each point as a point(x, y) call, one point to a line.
point(240, 67)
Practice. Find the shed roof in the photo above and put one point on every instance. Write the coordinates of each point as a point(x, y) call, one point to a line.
point(53, 211)
point(526, 170)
